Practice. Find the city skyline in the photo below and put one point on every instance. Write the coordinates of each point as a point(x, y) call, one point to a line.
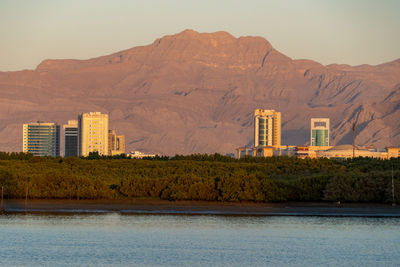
point(89, 133)
point(40, 30)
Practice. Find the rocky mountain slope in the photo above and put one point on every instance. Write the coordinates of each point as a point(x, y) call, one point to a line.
point(196, 92)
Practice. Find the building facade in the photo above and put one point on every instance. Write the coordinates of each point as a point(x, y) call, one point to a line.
point(242, 152)
point(93, 133)
point(337, 152)
point(346, 151)
point(267, 128)
point(116, 143)
point(41, 139)
point(319, 135)
point(139, 155)
point(71, 139)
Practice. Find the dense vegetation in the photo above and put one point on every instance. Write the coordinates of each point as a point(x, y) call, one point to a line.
point(200, 177)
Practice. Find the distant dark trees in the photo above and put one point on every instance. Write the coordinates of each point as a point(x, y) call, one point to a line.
point(15, 155)
point(199, 177)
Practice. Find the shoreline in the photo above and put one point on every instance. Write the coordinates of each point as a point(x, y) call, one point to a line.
point(165, 207)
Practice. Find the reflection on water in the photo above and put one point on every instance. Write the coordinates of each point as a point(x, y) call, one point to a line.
point(167, 240)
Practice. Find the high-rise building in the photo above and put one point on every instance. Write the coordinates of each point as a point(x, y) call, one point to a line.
point(71, 139)
point(319, 132)
point(116, 143)
point(267, 128)
point(93, 133)
point(41, 139)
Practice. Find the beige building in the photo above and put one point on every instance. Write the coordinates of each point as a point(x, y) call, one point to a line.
point(93, 133)
point(393, 152)
point(267, 128)
point(263, 151)
point(140, 155)
point(116, 143)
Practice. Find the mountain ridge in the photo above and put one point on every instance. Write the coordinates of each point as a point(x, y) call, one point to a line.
point(195, 93)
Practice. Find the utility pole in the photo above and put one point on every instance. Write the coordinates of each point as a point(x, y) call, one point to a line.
point(393, 201)
point(26, 196)
point(26, 192)
point(354, 134)
point(354, 139)
point(2, 204)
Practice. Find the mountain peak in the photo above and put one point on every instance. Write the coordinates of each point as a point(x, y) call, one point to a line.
point(187, 32)
point(190, 34)
point(215, 42)
point(193, 33)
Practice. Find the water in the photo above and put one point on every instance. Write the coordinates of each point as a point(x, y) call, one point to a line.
point(168, 240)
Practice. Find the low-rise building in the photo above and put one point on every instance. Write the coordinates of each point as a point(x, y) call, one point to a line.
point(346, 151)
point(263, 151)
point(339, 152)
point(393, 152)
point(289, 151)
point(139, 155)
point(244, 151)
point(305, 152)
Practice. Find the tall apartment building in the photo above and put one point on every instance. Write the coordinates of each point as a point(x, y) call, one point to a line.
point(41, 139)
point(116, 143)
point(93, 133)
point(319, 132)
point(71, 139)
point(267, 128)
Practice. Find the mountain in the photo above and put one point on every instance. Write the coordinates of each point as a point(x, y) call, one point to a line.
point(196, 93)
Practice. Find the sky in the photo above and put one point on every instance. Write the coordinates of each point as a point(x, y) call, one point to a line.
point(328, 31)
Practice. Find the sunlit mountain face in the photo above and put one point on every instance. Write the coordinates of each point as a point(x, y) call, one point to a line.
point(196, 93)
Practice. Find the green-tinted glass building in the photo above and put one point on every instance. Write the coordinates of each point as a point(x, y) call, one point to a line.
point(41, 139)
point(319, 132)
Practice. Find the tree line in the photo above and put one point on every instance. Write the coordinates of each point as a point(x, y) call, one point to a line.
point(200, 177)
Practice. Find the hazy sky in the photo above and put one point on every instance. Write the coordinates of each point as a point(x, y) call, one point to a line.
point(328, 31)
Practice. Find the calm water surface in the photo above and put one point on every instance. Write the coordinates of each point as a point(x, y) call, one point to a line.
point(168, 240)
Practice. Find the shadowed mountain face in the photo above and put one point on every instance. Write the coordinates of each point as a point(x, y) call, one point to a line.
point(196, 93)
